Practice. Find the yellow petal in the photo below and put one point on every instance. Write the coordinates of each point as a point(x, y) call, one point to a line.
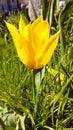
point(38, 59)
point(19, 42)
point(21, 24)
point(24, 29)
point(36, 22)
point(48, 49)
point(51, 43)
point(40, 25)
point(26, 32)
point(14, 32)
point(22, 50)
point(25, 52)
point(40, 34)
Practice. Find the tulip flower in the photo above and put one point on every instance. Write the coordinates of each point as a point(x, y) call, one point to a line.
point(34, 46)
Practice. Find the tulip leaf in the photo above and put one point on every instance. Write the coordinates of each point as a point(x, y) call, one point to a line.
point(39, 74)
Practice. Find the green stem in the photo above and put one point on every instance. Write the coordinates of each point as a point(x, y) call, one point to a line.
point(34, 92)
point(33, 85)
point(51, 13)
point(61, 41)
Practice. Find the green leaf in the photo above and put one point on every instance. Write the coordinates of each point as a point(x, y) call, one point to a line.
point(39, 74)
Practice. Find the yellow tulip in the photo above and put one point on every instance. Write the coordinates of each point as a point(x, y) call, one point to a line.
point(32, 42)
